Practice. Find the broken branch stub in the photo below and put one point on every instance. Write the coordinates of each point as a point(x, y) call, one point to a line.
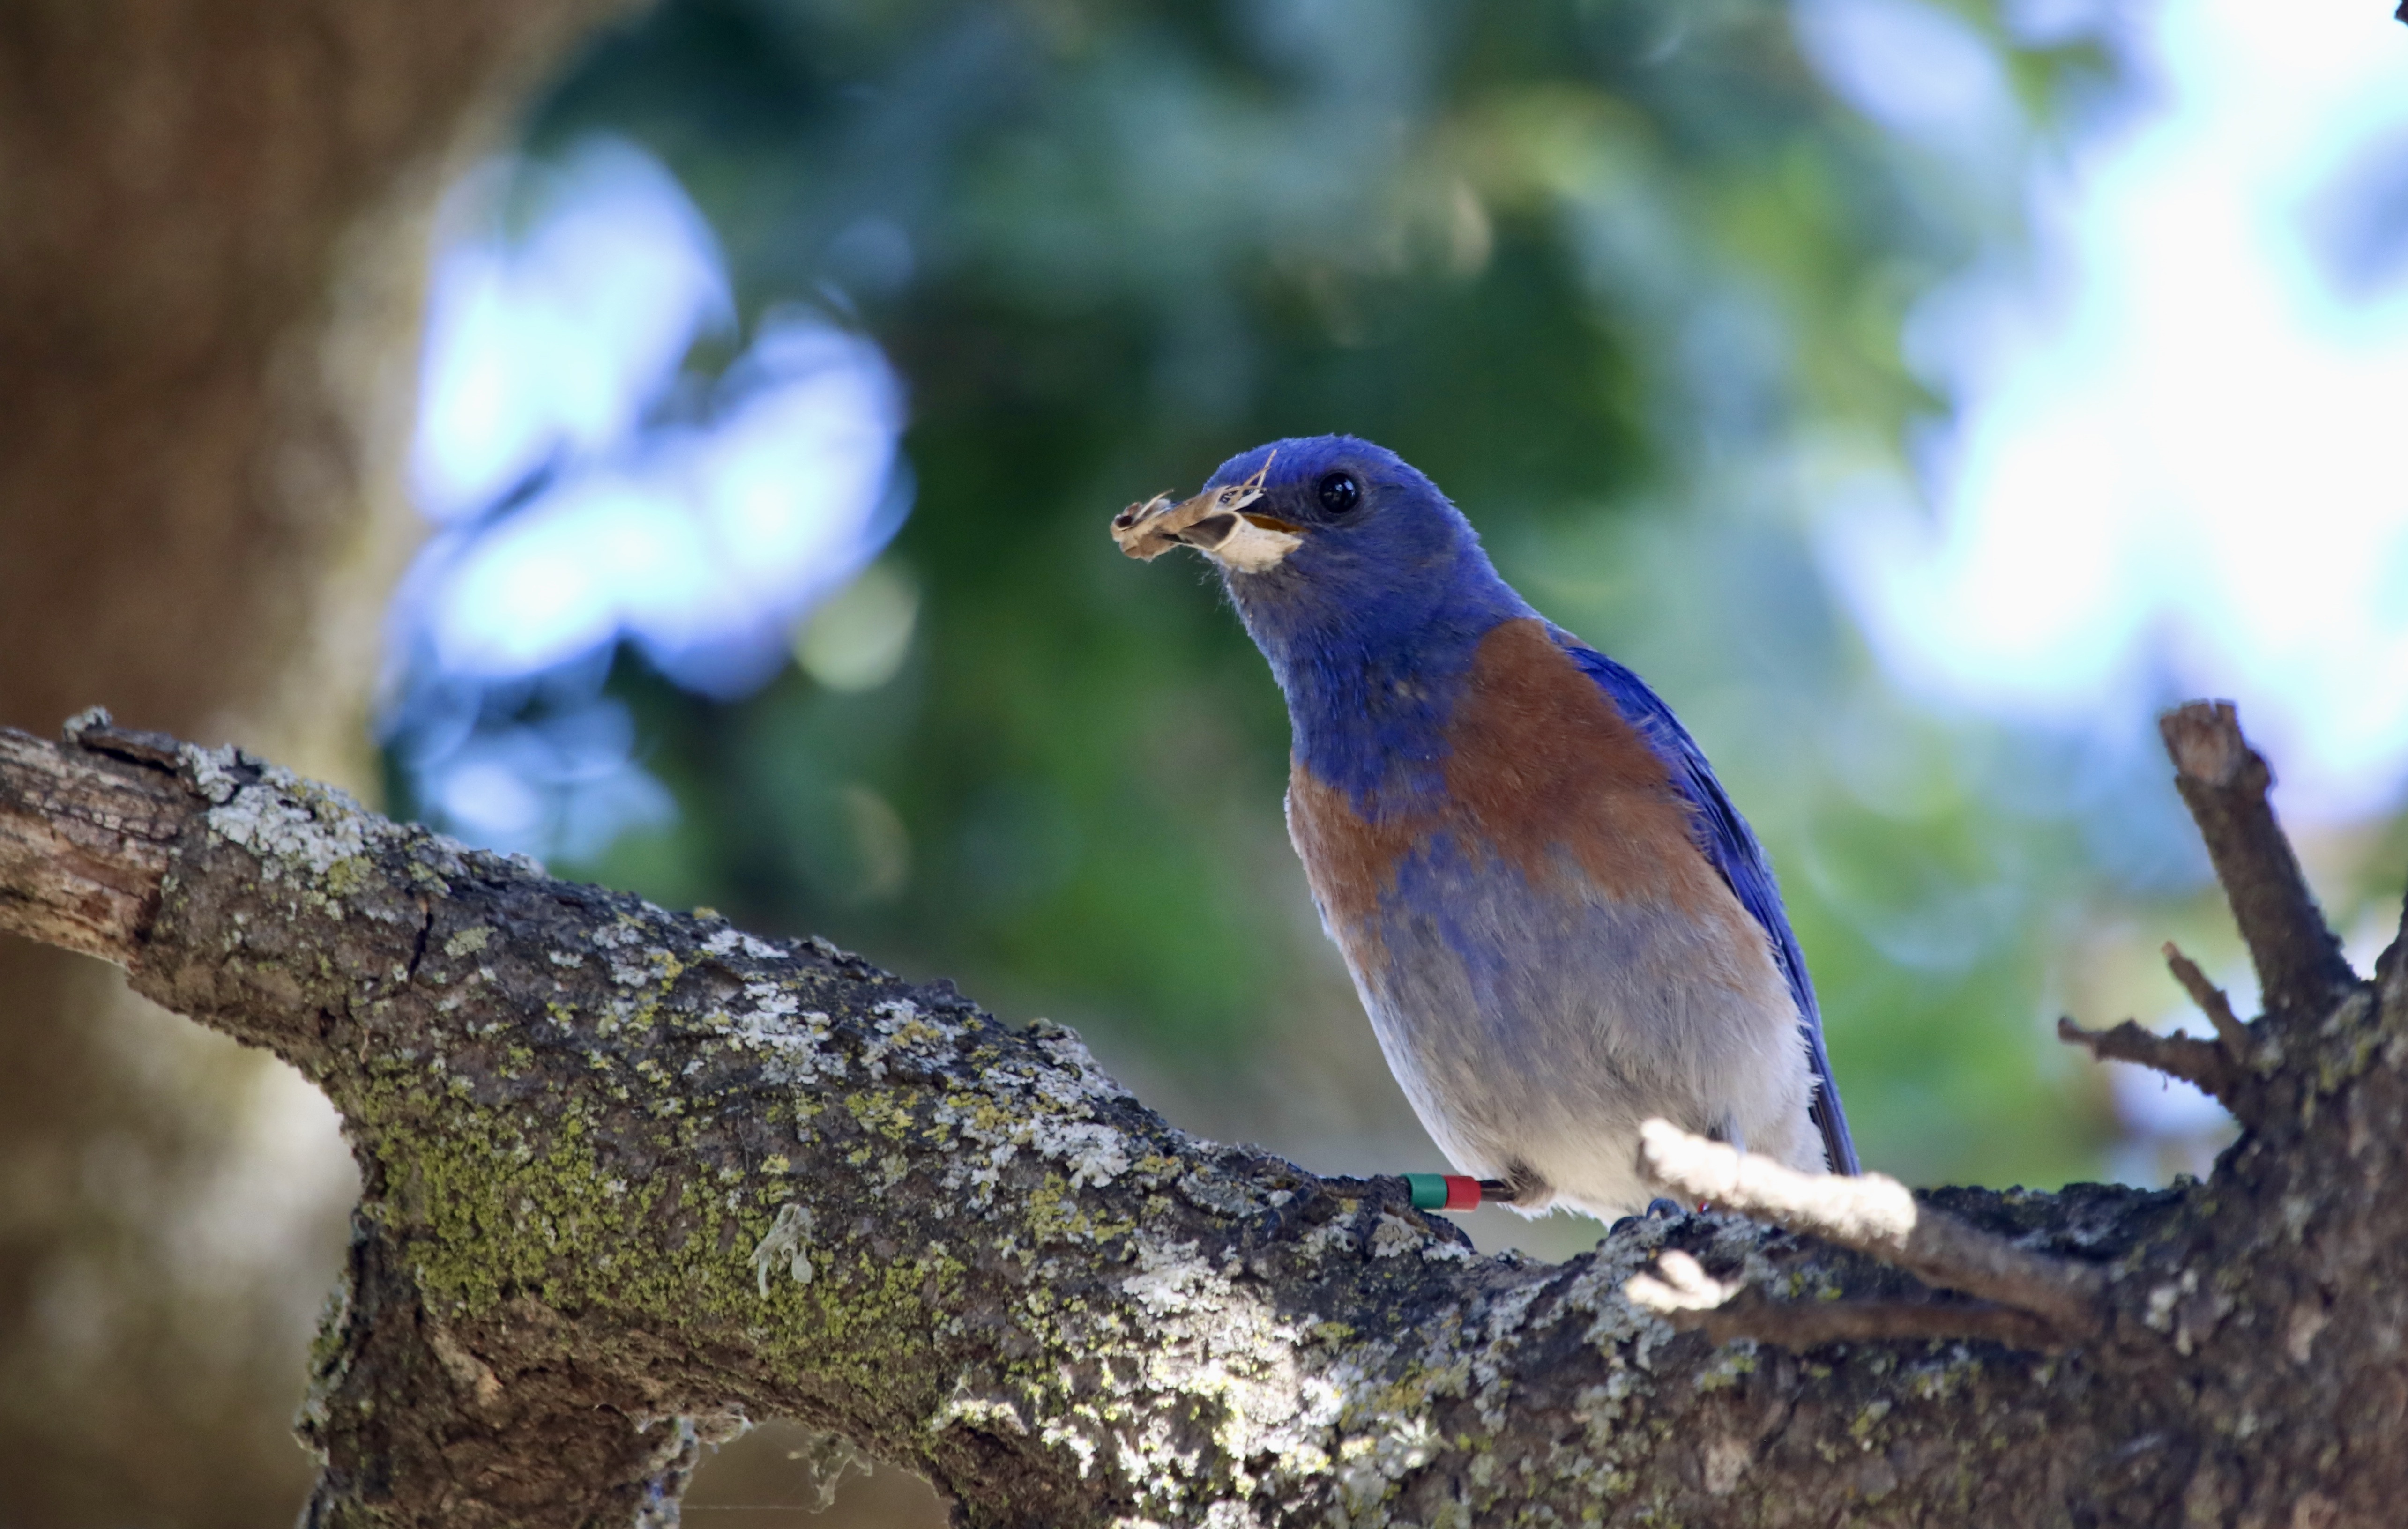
point(2224, 781)
point(2230, 1028)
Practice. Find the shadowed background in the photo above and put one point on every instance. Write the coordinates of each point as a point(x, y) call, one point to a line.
point(681, 450)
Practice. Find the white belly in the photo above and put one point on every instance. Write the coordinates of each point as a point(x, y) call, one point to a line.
point(1577, 1021)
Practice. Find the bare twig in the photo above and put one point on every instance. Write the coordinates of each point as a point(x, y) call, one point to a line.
point(1875, 1215)
point(2220, 1067)
point(2211, 1001)
point(2224, 782)
point(2202, 1062)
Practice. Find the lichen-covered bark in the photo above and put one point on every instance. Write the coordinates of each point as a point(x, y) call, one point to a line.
point(630, 1173)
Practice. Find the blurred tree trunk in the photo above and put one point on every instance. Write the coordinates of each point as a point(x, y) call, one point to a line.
point(212, 225)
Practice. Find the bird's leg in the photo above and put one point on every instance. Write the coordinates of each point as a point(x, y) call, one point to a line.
point(1459, 1192)
point(1520, 1184)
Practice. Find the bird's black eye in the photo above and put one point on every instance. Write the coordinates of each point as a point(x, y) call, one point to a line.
point(1339, 493)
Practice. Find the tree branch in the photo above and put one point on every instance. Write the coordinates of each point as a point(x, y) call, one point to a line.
point(2202, 1064)
point(2224, 782)
point(1873, 1214)
point(2239, 1044)
point(631, 1176)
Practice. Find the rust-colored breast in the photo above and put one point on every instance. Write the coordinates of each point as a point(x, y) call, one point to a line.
point(1541, 772)
point(1348, 861)
point(1542, 762)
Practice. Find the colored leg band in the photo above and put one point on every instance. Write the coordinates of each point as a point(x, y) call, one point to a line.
point(1443, 1192)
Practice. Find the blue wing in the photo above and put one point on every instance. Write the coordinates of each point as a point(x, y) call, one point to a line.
point(1725, 838)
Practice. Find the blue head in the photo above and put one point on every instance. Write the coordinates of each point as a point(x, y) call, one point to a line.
point(1382, 562)
point(1375, 608)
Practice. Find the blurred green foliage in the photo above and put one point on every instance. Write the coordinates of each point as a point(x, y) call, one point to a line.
point(1621, 276)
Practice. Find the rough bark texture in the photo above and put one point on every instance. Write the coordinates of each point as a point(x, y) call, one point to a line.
point(626, 1168)
point(212, 230)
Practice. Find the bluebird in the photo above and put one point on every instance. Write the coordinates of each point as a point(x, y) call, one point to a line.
point(1558, 923)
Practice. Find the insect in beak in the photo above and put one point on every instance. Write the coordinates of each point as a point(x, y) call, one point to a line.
point(1215, 523)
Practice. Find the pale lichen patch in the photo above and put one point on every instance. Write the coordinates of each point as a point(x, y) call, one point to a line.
point(899, 1025)
point(730, 941)
point(1080, 1080)
point(1394, 1234)
point(985, 1412)
point(1220, 1343)
point(210, 770)
point(794, 1040)
point(1369, 1464)
point(1094, 1153)
point(1170, 1278)
point(621, 932)
point(1335, 1234)
point(297, 829)
point(788, 1239)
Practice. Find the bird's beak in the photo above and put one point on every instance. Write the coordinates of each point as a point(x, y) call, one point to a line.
point(1215, 523)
